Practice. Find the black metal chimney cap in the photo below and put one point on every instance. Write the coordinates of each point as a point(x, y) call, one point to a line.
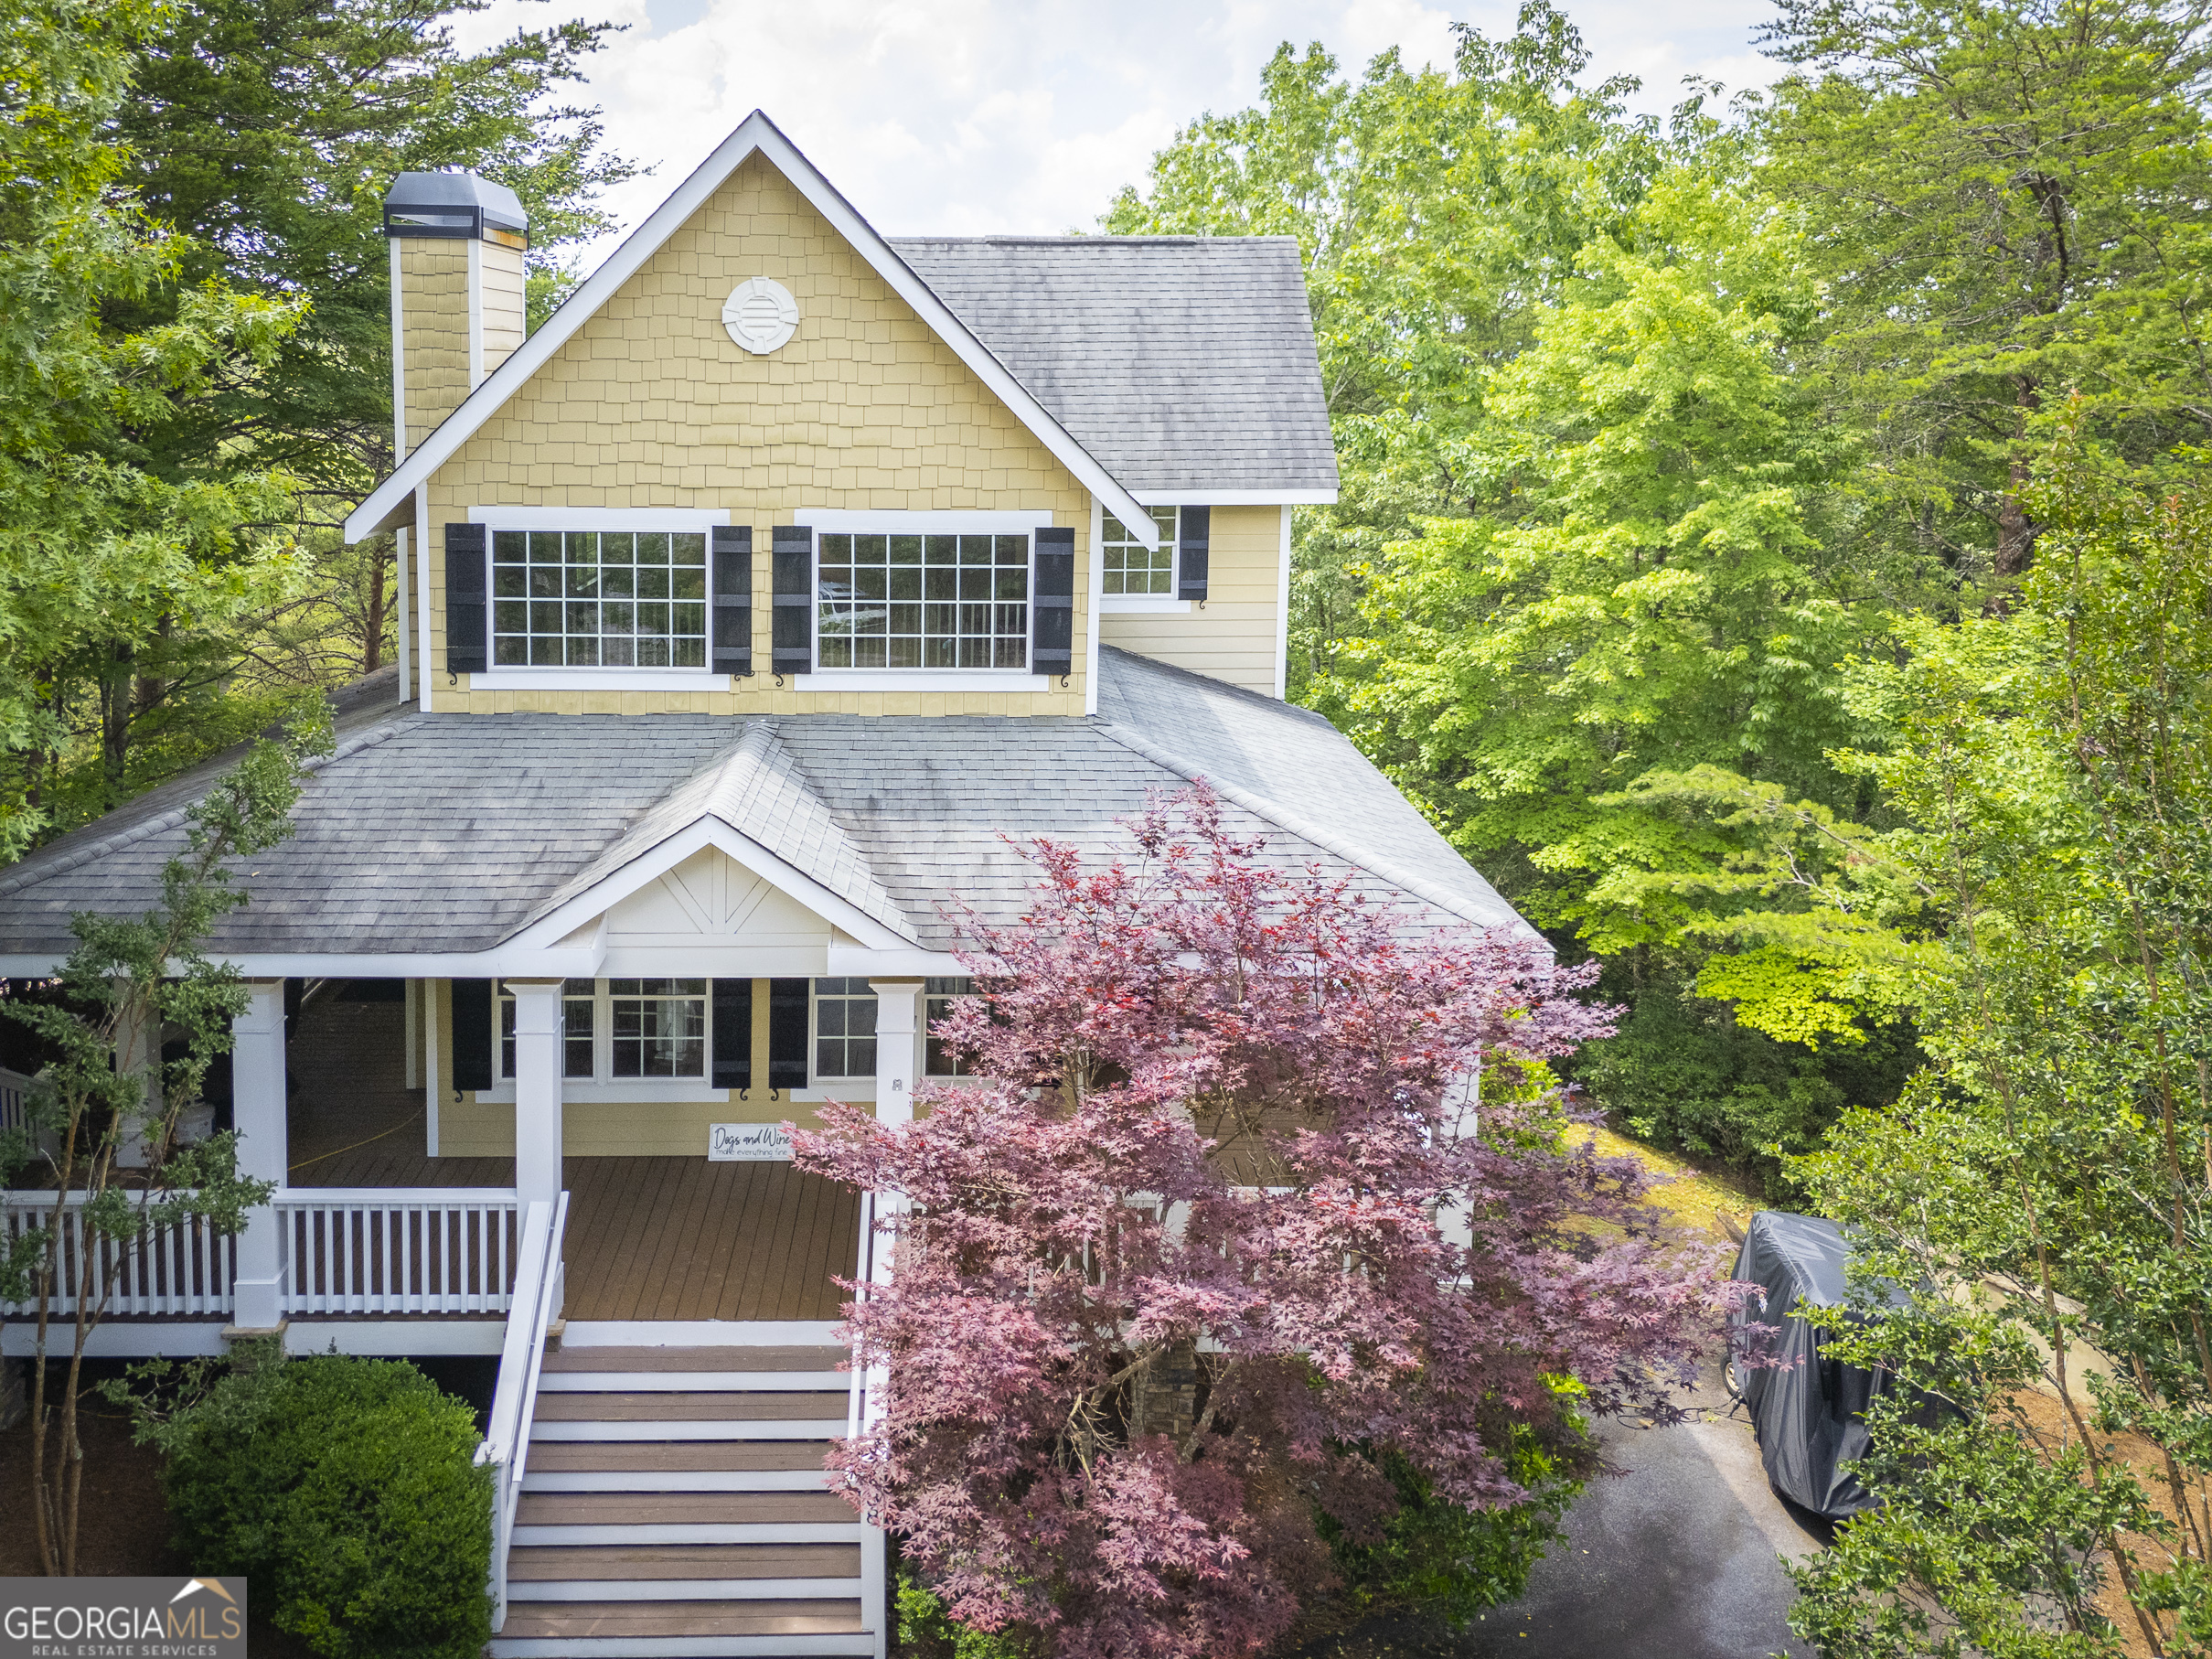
point(456, 205)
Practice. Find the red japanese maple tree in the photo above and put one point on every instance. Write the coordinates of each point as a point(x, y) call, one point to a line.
point(1222, 1105)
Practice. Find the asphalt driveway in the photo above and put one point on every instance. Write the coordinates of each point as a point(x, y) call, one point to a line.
point(1673, 1560)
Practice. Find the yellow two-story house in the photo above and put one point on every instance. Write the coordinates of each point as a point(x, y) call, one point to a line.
point(751, 605)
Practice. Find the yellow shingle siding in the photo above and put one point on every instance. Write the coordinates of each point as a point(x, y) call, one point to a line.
point(506, 312)
point(434, 331)
point(651, 404)
point(1236, 634)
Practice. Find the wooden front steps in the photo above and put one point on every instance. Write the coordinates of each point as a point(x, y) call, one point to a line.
point(674, 1504)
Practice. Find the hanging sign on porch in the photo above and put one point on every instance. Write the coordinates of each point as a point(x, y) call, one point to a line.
point(747, 1143)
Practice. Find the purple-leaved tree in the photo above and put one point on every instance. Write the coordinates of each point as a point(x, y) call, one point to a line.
point(1220, 1120)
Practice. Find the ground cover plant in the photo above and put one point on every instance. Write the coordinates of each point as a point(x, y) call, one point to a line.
point(1220, 1251)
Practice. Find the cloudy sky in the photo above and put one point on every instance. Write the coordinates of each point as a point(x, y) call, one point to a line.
point(965, 116)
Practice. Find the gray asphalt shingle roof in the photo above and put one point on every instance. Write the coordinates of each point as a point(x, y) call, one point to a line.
point(1179, 362)
point(451, 832)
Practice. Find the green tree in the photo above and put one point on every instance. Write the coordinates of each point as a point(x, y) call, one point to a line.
point(2045, 1186)
point(1437, 212)
point(2010, 203)
point(102, 555)
point(130, 982)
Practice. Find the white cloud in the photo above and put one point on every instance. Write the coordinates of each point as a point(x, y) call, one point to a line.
point(966, 116)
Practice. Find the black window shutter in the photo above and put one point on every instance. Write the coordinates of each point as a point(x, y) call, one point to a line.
point(732, 1033)
point(731, 649)
point(788, 1038)
point(464, 619)
point(1195, 525)
point(1052, 605)
point(794, 633)
point(473, 1033)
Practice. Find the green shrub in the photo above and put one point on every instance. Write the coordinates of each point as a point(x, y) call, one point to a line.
point(344, 1490)
point(1439, 1561)
point(927, 1631)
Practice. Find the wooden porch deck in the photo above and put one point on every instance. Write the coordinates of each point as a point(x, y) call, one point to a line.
point(648, 1238)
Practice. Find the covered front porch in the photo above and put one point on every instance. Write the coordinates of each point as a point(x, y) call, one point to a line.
point(374, 1244)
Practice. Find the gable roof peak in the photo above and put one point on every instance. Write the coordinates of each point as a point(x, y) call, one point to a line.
point(390, 504)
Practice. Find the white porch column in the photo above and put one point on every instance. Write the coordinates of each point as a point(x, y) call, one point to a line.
point(537, 1051)
point(257, 1112)
point(897, 1049)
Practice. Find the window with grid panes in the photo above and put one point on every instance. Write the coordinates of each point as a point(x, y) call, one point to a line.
point(617, 599)
point(578, 997)
point(659, 1027)
point(923, 601)
point(937, 998)
point(844, 1029)
point(1133, 567)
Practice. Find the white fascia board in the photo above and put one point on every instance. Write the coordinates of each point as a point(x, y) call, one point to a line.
point(1234, 498)
point(663, 856)
point(861, 962)
point(756, 132)
point(504, 962)
point(600, 518)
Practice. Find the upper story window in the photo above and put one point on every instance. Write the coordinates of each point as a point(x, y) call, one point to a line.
point(1131, 567)
point(923, 601)
point(599, 599)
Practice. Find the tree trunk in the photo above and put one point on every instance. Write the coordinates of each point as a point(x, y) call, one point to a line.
point(115, 689)
point(2015, 531)
point(372, 642)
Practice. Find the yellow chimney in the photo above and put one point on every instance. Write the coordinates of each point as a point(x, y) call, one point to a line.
point(456, 294)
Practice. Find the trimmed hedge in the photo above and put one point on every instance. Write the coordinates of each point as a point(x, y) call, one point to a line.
point(344, 1490)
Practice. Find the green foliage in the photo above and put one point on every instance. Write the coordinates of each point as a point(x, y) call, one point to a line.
point(2011, 207)
point(101, 554)
point(130, 981)
point(926, 1631)
point(345, 1489)
point(1443, 1562)
point(2046, 1181)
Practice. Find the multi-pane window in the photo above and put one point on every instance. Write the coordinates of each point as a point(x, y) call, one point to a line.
point(923, 602)
point(938, 997)
point(599, 598)
point(577, 998)
point(1131, 567)
point(844, 1029)
point(659, 1027)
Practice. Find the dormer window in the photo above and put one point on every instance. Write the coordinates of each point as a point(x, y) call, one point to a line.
point(1134, 570)
point(923, 601)
point(595, 598)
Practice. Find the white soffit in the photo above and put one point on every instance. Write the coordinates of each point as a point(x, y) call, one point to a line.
point(756, 132)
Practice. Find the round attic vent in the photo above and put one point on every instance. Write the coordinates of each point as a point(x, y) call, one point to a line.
point(760, 315)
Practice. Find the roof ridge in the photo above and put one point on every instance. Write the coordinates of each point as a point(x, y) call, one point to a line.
point(1283, 819)
point(146, 828)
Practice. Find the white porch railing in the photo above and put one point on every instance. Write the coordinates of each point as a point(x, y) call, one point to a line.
point(173, 1272)
point(396, 1250)
point(14, 1089)
point(539, 1293)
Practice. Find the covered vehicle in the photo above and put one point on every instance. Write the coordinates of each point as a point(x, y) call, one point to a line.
point(1809, 1409)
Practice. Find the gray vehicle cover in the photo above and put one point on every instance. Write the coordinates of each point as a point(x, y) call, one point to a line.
point(1809, 1410)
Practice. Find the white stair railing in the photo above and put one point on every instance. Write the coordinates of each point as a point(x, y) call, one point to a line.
point(396, 1250)
point(538, 1292)
point(178, 1271)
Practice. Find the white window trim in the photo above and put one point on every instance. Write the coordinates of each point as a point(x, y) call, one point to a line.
point(602, 1084)
point(564, 678)
point(1143, 604)
point(1139, 604)
point(600, 518)
point(841, 522)
point(601, 680)
point(850, 521)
